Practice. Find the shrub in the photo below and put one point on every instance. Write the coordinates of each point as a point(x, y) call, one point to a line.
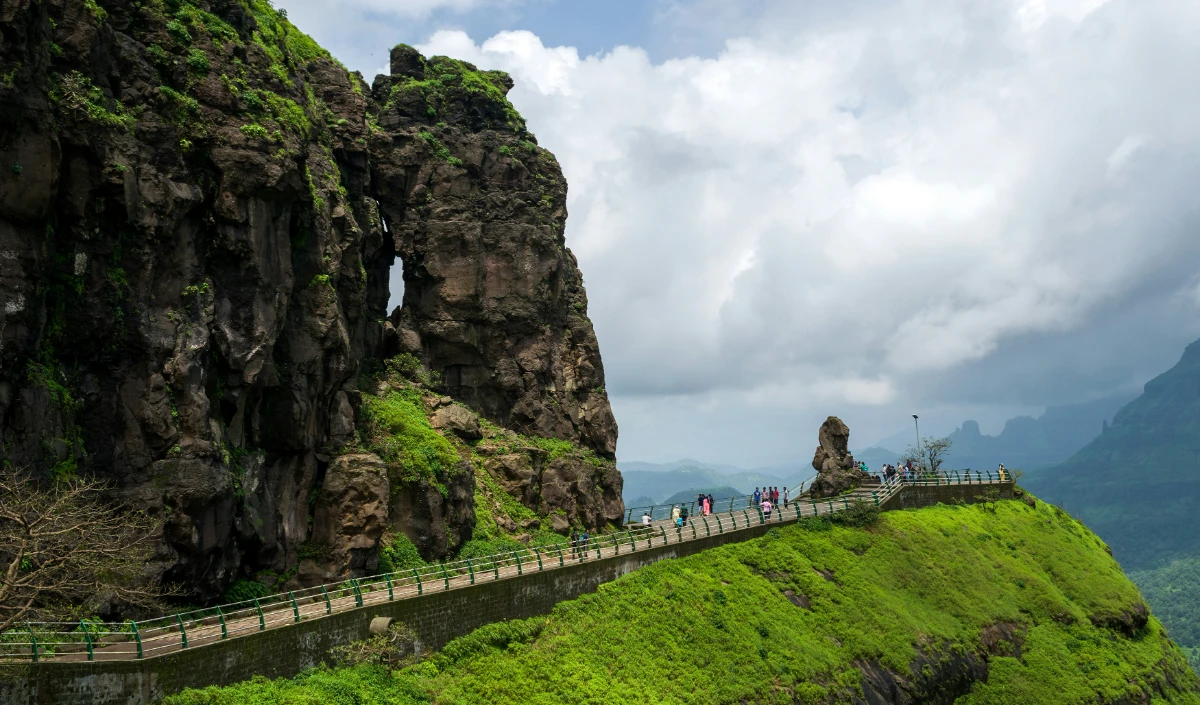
point(859, 513)
point(197, 62)
point(253, 131)
point(158, 56)
point(179, 32)
point(244, 591)
point(399, 553)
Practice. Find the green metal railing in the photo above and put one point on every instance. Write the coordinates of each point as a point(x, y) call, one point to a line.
point(94, 641)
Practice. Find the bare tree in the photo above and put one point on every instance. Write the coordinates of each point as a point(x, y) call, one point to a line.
point(930, 456)
point(64, 550)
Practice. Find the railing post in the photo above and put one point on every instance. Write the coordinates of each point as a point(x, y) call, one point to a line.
point(33, 645)
point(693, 525)
point(649, 537)
point(262, 622)
point(445, 575)
point(388, 578)
point(328, 604)
point(137, 636)
point(221, 618)
point(632, 543)
point(87, 636)
point(538, 553)
point(746, 516)
point(679, 534)
point(295, 607)
point(417, 575)
point(519, 571)
point(595, 542)
point(731, 505)
point(707, 531)
point(664, 534)
point(560, 556)
point(762, 518)
point(358, 598)
point(875, 496)
point(495, 569)
point(182, 632)
point(471, 571)
point(845, 503)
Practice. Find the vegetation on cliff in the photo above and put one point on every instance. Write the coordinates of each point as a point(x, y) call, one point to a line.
point(954, 603)
point(1137, 485)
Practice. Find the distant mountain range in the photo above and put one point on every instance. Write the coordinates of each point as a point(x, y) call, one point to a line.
point(1026, 442)
point(1138, 483)
point(660, 481)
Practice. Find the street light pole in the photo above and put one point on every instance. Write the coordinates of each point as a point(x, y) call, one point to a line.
point(918, 428)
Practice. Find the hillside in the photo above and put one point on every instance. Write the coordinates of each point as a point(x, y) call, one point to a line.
point(1137, 484)
point(945, 604)
point(682, 479)
point(1025, 442)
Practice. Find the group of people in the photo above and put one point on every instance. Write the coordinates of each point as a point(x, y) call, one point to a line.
point(890, 472)
point(705, 503)
point(769, 497)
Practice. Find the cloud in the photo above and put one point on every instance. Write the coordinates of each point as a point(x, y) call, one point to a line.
point(841, 210)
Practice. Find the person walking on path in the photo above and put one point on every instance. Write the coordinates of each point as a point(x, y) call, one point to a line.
point(583, 544)
point(574, 542)
point(785, 497)
point(683, 516)
point(757, 496)
point(675, 514)
point(766, 509)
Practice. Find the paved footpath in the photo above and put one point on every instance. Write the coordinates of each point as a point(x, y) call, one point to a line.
point(152, 638)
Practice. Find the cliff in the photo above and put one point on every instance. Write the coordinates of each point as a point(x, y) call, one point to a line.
point(947, 604)
point(199, 209)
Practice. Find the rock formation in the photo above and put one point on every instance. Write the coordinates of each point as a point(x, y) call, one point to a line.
point(199, 209)
point(836, 469)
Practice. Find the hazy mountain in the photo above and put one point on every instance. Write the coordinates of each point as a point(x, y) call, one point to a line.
point(1025, 442)
point(661, 481)
point(1138, 483)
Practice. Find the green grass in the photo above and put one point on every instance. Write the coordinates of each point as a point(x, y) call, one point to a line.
point(399, 432)
point(716, 627)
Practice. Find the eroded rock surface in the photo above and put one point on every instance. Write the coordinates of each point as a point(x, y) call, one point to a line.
point(199, 209)
point(836, 469)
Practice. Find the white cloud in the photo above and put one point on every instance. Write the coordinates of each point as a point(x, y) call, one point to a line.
point(815, 216)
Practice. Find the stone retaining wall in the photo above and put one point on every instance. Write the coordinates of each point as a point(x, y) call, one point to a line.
point(436, 618)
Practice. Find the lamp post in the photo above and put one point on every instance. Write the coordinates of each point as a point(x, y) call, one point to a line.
point(917, 426)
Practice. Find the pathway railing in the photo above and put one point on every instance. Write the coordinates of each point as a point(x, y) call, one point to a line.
point(89, 640)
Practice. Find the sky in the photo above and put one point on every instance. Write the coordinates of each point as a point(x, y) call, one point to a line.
point(789, 209)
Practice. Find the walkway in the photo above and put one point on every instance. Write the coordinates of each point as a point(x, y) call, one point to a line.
point(86, 641)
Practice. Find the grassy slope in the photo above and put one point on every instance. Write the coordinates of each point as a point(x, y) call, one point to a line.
point(716, 627)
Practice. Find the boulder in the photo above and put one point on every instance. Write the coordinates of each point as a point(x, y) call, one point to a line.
point(349, 518)
point(458, 420)
point(837, 472)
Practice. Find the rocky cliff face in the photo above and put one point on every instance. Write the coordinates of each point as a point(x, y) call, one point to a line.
point(199, 209)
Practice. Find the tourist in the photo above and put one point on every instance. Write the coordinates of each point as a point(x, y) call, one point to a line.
point(757, 497)
point(766, 509)
point(675, 514)
point(646, 521)
point(775, 496)
point(583, 544)
point(785, 497)
point(574, 542)
point(683, 516)
point(705, 505)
